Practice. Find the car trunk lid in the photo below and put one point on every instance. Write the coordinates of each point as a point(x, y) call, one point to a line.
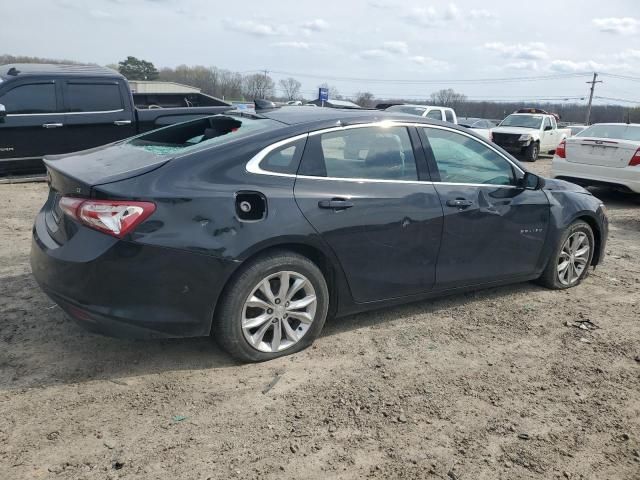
point(602, 152)
point(76, 174)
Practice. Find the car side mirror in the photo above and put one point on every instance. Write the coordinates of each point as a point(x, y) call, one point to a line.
point(531, 181)
point(3, 112)
point(547, 127)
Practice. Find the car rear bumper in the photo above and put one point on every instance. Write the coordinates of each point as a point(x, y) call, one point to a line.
point(583, 173)
point(125, 289)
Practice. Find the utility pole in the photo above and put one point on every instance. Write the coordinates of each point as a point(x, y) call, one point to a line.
point(593, 86)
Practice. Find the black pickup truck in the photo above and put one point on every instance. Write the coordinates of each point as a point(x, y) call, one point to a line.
point(53, 109)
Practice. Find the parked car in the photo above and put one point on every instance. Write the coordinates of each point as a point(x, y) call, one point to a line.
point(54, 109)
point(604, 154)
point(479, 125)
point(528, 132)
point(253, 228)
point(576, 129)
point(436, 113)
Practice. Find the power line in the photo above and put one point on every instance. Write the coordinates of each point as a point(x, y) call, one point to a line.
point(436, 82)
point(622, 77)
point(618, 99)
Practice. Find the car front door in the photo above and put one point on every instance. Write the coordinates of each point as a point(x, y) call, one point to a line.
point(97, 113)
point(365, 190)
point(33, 121)
point(548, 135)
point(493, 229)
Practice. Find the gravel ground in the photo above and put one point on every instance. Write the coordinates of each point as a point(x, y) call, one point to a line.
point(498, 384)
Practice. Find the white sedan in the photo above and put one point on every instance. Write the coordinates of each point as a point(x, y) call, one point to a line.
point(479, 125)
point(603, 154)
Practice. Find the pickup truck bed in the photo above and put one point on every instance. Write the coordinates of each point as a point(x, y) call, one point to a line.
point(56, 109)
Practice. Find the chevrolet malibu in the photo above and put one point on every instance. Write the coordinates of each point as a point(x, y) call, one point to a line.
point(255, 227)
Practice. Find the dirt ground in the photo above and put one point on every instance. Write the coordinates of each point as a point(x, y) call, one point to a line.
point(498, 384)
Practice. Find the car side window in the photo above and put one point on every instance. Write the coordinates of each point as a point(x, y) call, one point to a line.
point(435, 114)
point(369, 152)
point(284, 159)
point(547, 123)
point(93, 97)
point(449, 116)
point(31, 98)
point(461, 159)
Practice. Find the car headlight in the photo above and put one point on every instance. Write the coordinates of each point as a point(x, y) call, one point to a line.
point(524, 137)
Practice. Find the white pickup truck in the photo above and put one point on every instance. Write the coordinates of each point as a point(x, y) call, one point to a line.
point(528, 132)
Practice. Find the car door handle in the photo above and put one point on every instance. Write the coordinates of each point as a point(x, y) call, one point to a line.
point(335, 203)
point(459, 203)
point(52, 125)
point(122, 122)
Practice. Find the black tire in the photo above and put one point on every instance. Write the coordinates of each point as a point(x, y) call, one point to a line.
point(227, 324)
point(550, 277)
point(531, 152)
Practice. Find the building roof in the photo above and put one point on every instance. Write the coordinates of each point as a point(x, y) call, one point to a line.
point(15, 70)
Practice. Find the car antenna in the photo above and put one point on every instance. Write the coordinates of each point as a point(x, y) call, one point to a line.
point(263, 104)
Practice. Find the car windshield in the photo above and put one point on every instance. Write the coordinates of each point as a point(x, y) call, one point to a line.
point(523, 121)
point(618, 132)
point(187, 136)
point(412, 110)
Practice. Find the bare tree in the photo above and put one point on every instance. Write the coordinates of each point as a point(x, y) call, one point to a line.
point(258, 85)
point(291, 88)
point(448, 98)
point(365, 99)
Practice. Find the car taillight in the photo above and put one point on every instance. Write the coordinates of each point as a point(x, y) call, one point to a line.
point(561, 150)
point(114, 217)
point(635, 160)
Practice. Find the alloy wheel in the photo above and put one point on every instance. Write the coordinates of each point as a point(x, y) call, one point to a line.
point(279, 311)
point(573, 258)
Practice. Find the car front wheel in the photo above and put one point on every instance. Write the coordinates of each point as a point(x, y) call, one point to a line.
point(570, 262)
point(531, 152)
point(276, 306)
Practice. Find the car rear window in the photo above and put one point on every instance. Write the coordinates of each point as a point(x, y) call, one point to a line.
point(618, 132)
point(93, 97)
point(195, 134)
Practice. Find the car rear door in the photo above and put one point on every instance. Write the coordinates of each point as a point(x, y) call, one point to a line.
point(98, 111)
point(33, 124)
point(365, 189)
point(492, 230)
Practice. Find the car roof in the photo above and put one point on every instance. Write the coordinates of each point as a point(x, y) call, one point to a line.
point(418, 105)
point(616, 123)
point(300, 115)
point(18, 70)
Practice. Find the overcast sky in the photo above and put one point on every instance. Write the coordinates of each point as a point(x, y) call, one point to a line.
point(386, 43)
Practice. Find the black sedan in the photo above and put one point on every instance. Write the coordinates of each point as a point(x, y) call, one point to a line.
point(254, 228)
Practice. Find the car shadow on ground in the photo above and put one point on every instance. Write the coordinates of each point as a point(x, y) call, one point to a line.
point(40, 345)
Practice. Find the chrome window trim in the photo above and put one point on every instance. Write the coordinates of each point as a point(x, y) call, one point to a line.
point(62, 113)
point(253, 165)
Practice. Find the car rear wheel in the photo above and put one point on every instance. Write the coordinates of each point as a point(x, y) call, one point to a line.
point(276, 306)
point(531, 152)
point(572, 257)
